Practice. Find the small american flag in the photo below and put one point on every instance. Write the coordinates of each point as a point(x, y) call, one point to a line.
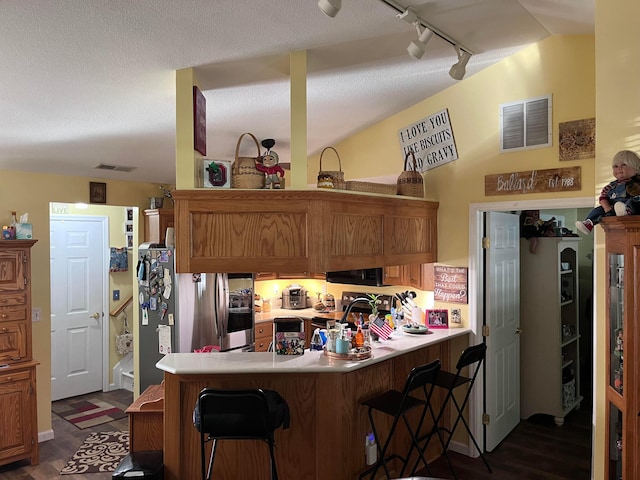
point(381, 328)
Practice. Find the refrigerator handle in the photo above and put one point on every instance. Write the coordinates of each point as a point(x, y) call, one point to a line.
point(222, 305)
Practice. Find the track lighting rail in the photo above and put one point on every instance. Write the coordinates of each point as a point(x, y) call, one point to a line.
point(401, 10)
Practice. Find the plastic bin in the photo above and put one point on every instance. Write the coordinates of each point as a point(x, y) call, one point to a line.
point(141, 465)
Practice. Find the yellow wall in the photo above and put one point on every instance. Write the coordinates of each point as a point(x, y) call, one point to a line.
point(32, 193)
point(618, 127)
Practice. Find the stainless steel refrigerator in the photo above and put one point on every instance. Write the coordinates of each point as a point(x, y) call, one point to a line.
point(185, 312)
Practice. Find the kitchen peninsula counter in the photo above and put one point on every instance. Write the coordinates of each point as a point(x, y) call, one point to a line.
point(328, 423)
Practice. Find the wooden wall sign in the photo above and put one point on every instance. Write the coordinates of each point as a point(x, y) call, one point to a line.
point(533, 181)
point(450, 284)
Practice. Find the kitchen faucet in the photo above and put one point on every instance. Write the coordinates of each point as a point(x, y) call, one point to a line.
point(347, 310)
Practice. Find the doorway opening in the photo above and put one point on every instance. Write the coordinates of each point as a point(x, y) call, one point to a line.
point(477, 288)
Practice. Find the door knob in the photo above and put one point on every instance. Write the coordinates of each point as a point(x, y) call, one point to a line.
point(95, 316)
point(518, 331)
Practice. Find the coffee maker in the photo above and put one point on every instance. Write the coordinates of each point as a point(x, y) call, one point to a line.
point(294, 297)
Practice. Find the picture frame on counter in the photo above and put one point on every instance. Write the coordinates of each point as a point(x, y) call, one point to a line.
point(216, 173)
point(437, 318)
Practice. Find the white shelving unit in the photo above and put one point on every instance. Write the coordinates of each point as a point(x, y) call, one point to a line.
point(549, 320)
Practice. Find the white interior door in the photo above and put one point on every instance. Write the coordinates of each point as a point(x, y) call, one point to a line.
point(502, 303)
point(78, 276)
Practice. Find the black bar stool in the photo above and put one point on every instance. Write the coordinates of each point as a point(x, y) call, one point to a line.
point(238, 415)
point(471, 356)
point(397, 404)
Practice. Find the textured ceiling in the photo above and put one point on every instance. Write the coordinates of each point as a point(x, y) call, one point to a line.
point(92, 81)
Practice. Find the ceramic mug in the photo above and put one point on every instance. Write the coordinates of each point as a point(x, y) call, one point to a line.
point(342, 345)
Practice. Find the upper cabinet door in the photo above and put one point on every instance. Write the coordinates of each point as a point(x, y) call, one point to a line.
point(12, 273)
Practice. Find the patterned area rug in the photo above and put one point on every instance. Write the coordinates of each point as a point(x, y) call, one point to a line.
point(85, 414)
point(100, 452)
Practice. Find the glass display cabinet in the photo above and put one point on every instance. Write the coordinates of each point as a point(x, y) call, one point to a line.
point(622, 396)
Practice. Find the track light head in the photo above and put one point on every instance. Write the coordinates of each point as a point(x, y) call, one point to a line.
point(417, 48)
point(459, 68)
point(330, 7)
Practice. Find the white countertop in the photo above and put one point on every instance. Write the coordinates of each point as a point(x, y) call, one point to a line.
point(311, 362)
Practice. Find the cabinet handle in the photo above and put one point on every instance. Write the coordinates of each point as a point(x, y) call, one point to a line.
point(261, 330)
point(5, 329)
point(4, 315)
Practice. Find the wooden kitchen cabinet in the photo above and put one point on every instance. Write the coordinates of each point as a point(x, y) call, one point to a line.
point(156, 222)
point(263, 335)
point(418, 276)
point(18, 422)
point(291, 231)
point(622, 250)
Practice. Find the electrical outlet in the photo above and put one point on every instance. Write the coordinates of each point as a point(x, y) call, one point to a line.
point(456, 315)
point(116, 294)
point(36, 314)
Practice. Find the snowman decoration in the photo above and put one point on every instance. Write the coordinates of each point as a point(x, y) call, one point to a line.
point(269, 165)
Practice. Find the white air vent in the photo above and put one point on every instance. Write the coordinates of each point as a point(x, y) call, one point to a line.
point(526, 124)
point(115, 168)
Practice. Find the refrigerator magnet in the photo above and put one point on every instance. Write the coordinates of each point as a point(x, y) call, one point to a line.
point(153, 303)
point(166, 294)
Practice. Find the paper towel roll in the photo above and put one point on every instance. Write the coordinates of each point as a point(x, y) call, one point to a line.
point(170, 237)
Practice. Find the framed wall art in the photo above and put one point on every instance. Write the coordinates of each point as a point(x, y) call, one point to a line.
point(577, 139)
point(97, 192)
point(199, 121)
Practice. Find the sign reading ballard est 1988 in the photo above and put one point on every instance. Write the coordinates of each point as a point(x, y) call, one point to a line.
point(431, 140)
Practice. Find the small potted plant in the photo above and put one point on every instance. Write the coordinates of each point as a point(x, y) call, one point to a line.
point(373, 303)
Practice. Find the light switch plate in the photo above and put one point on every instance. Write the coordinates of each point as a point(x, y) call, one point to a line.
point(116, 294)
point(36, 314)
point(456, 315)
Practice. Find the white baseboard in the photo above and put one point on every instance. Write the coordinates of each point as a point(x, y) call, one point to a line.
point(45, 436)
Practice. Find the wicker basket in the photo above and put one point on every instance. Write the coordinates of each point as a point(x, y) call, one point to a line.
point(331, 178)
point(410, 182)
point(371, 187)
point(243, 170)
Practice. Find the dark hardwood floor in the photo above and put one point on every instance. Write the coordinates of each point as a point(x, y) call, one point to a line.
point(536, 450)
point(55, 453)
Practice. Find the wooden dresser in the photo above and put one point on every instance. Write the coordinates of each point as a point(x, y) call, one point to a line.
point(18, 405)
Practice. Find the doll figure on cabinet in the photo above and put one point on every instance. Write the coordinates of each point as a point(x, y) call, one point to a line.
point(619, 197)
point(269, 165)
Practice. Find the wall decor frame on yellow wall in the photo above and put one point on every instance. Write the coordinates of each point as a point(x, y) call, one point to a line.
point(97, 192)
point(577, 139)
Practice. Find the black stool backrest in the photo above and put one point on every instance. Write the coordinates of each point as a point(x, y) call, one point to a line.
point(471, 355)
point(421, 377)
point(233, 413)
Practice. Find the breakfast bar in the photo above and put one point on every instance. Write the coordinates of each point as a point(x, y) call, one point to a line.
point(326, 439)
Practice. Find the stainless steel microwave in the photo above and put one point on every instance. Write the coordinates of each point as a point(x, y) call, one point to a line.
point(369, 276)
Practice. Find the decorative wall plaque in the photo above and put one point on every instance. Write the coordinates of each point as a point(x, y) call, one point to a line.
point(199, 121)
point(450, 284)
point(431, 140)
point(533, 181)
point(577, 139)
